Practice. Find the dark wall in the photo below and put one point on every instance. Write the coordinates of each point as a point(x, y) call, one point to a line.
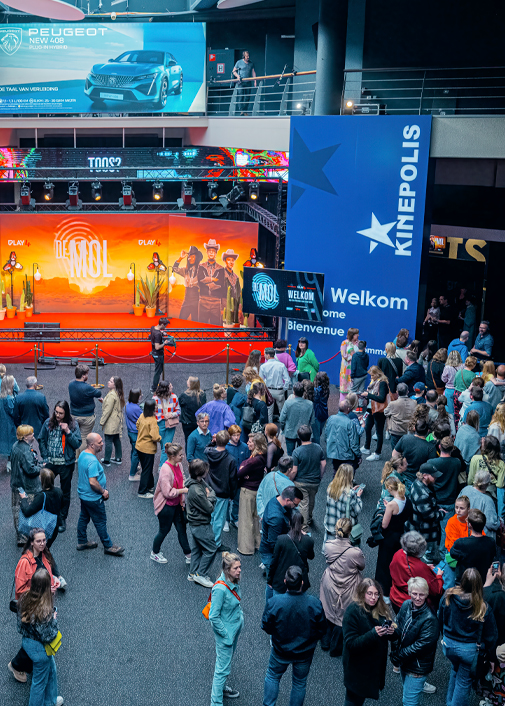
point(434, 33)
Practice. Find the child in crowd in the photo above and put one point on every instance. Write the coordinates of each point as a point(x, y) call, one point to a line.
point(419, 392)
point(456, 528)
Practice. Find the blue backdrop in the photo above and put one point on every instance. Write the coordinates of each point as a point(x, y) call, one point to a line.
point(356, 201)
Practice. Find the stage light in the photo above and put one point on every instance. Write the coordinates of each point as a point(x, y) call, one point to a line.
point(212, 191)
point(299, 106)
point(187, 199)
point(157, 191)
point(254, 191)
point(26, 202)
point(349, 104)
point(74, 203)
point(236, 193)
point(96, 191)
point(48, 191)
point(127, 201)
point(223, 200)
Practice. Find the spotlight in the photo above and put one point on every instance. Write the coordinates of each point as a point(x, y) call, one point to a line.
point(48, 191)
point(127, 201)
point(212, 186)
point(254, 191)
point(74, 203)
point(25, 194)
point(236, 193)
point(223, 200)
point(157, 191)
point(186, 200)
point(96, 191)
point(349, 104)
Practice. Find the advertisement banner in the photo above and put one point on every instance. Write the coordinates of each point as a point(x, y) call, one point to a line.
point(295, 295)
point(356, 199)
point(87, 262)
point(137, 68)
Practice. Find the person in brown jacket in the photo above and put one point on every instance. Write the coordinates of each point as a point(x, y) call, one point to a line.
point(344, 564)
point(399, 413)
point(147, 445)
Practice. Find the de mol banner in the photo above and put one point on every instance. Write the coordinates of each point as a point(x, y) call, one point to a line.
point(90, 68)
point(356, 201)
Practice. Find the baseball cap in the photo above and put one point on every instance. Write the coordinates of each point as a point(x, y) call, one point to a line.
point(420, 386)
point(431, 470)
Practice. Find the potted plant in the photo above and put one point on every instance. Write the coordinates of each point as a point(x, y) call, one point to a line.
point(2, 308)
point(11, 310)
point(138, 308)
point(21, 310)
point(150, 292)
point(27, 288)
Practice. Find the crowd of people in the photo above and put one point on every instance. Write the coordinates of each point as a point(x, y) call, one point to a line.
point(252, 460)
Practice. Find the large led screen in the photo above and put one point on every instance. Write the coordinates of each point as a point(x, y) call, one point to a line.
point(127, 68)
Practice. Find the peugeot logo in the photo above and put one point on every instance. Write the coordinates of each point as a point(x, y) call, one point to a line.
point(112, 80)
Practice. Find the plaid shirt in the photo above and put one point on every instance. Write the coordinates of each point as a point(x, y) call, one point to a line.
point(425, 513)
point(336, 509)
point(172, 406)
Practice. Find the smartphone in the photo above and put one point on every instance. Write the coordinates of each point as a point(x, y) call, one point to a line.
point(495, 566)
point(361, 487)
point(387, 624)
point(21, 490)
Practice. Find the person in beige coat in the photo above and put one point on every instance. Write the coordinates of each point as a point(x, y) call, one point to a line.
point(111, 421)
point(344, 564)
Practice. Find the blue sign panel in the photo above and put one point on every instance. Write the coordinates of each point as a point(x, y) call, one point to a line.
point(125, 68)
point(356, 201)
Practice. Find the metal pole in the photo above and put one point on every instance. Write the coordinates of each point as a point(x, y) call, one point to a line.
point(96, 363)
point(289, 348)
point(227, 363)
point(163, 371)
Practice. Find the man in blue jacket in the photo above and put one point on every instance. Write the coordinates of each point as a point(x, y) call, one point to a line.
point(414, 372)
point(30, 407)
point(296, 622)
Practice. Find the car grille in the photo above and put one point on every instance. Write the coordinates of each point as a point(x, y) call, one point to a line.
point(113, 81)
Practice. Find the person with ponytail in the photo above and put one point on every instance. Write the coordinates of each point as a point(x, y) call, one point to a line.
point(169, 501)
point(394, 468)
point(296, 548)
point(467, 624)
point(397, 511)
point(344, 564)
point(220, 415)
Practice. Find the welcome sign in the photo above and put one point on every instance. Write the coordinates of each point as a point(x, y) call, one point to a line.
point(356, 205)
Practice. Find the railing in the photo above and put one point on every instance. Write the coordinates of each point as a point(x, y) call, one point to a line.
point(271, 96)
point(465, 91)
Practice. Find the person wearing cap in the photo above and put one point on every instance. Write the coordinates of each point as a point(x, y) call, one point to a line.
point(189, 308)
point(419, 391)
point(231, 280)
point(212, 288)
point(426, 515)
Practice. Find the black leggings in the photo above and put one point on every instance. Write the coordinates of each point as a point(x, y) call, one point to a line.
point(171, 514)
point(379, 420)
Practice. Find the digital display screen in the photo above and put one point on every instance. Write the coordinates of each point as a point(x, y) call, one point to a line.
point(285, 293)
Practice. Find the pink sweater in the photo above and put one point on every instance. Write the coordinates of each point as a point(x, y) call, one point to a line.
point(165, 490)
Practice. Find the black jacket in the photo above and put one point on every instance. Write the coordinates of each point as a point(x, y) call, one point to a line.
point(189, 405)
point(30, 407)
point(222, 476)
point(54, 498)
point(434, 375)
point(289, 552)
point(359, 364)
point(296, 622)
point(365, 654)
point(392, 368)
point(415, 639)
point(413, 374)
point(456, 622)
point(494, 596)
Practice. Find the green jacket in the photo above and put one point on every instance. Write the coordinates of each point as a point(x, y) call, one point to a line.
point(308, 364)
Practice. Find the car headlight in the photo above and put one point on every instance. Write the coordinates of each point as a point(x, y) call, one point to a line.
point(145, 76)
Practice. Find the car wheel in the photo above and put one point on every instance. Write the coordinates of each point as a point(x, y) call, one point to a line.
point(178, 90)
point(162, 96)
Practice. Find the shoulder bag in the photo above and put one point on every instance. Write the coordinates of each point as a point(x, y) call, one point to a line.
point(52, 647)
point(248, 413)
point(357, 530)
point(439, 390)
point(206, 610)
point(44, 519)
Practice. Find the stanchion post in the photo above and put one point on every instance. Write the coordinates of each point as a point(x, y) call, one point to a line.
point(289, 349)
point(227, 363)
point(35, 356)
point(96, 384)
point(163, 371)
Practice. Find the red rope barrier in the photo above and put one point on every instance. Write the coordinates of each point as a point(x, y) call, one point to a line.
point(201, 360)
point(18, 356)
point(240, 352)
point(120, 357)
point(327, 361)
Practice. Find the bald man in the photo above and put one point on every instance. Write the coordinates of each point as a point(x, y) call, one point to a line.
point(92, 492)
point(495, 388)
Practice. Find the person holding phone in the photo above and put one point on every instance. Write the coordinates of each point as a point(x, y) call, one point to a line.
point(494, 595)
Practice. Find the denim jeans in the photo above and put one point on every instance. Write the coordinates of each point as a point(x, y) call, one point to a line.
point(412, 688)
point(317, 430)
point(461, 656)
point(394, 440)
point(291, 445)
point(218, 518)
point(111, 439)
point(500, 494)
point(233, 507)
point(276, 668)
point(167, 436)
point(224, 655)
point(133, 453)
point(95, 511)
point(449, 396)
point(44, 689)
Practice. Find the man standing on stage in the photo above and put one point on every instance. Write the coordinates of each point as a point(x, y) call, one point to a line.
point(158, 350)
point(231, 280)
point(211, 282)
point(189, 308)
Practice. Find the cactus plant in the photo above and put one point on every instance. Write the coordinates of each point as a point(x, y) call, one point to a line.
point(137, 296)
point(2, 295)
point(8, 301)
point(22, 301)
point(27, 289)
point(151, 290)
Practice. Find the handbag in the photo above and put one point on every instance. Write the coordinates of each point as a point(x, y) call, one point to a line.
point(357, 530)
point(52, 648)
point(43, 519)
point(248, 414)
point(13, 604)
point(206, 610)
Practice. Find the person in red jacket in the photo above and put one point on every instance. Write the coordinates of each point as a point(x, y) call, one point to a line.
point(406, 563)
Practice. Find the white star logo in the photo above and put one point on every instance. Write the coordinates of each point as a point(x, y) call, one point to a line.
point(378, 233)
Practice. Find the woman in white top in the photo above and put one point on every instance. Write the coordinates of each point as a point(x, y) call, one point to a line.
point(395, 516)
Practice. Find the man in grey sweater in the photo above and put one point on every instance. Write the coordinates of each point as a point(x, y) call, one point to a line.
point(295, 413)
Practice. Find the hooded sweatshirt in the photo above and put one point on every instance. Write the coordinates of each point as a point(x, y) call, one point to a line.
point(495, 389)
point(199, 505)
point(456, 622)
point(222, 476)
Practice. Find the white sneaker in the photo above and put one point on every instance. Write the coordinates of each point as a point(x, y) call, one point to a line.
point(63, 583)
point(374, 437)
point(429, 688)
point(226, 527)
point(191, 577)
point(373, 457)
point(146, 495)
point(364, 450)
point(59, 701)
point(396, 670)
point(188, 559)
point(159, 558)
point(135, 478)
point(203, 581)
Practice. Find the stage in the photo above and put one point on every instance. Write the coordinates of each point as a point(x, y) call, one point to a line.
point(81, 333)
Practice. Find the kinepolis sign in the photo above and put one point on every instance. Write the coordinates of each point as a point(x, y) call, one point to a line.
point(357, 189)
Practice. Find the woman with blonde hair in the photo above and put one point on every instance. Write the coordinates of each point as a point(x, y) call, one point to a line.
point(467, 625)
point(342, 500)
point(392, 469)
point(377, 396)
point(253, 361)
point(497, 425)
point(189, 402)
point(220, 415)
point(392, 367)
point(3, 372)
point(250, 474)
point(7, 425)
point(462, 382)
point(111, 421)
point(452, 365)
point(347, 350)
point(396, 513)
point(344, 564)
point(488, 371)
point(251, 376)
